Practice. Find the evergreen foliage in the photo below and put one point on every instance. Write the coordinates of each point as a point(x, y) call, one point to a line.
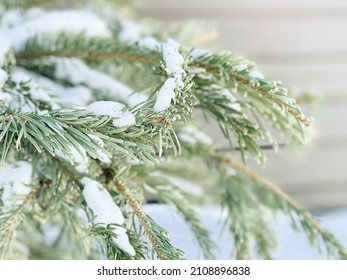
point(79, 169)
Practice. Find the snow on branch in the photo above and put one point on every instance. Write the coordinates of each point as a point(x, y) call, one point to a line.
point(106, 212)
point(15, 180)
point(69, 21)
point(174, 66)
point(122, 117)
point(76, 72)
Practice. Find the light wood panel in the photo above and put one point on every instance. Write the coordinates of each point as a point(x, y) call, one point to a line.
point(248, 4)
point(322, 78)
point(252, 37)
point(308, 40)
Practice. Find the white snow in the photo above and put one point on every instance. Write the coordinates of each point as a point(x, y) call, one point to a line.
point(11, 18)
point(149, 43)
point(173, 61)
point(5, 47)
point(14, 180)
point(51, 233)
point(197, 53)
point(5, 98)
point(24, 85)
point(127, 118)
point(239, 67)
point(76, 97)
point(165, 95)
point(230, 171)
point(192, 135)
point(78, 158)
point(79, 155)
point(100, 201)
point(97, 140)
point(173, 65)
point(14, 17)
point(186, 138)
point(233, 104)
point(77, 72)
point(106, 212)
point(186, 185)
point(293, 245)
point(35, 91)
point(106, 108)
point(102, 156)
point(256, 74)
point(68, 21)
point(113, 109)
point(130, 32)
point(172, 58)
point(3, 78)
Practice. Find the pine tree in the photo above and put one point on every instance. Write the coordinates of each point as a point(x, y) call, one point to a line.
point(97, 115)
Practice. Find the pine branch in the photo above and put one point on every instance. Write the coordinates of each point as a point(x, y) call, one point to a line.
point(250, 199)
point(231, 119)
point(222, 66)
point(59, 131)
point(281, 201)
point(245, 218)
point(10, 221)
point(211, 73)
point(157, 236)
point(242, 75)
point(167, 192)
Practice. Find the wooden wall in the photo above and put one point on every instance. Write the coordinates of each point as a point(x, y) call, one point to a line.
point(304, 44)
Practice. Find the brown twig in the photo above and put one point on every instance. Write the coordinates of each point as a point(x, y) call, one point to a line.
point(134, 204)
point(146, 59)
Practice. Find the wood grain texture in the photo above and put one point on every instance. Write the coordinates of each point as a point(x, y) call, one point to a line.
point(248, 4)
point(302, 43)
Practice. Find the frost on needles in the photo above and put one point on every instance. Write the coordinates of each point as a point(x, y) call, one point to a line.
point(97, 117)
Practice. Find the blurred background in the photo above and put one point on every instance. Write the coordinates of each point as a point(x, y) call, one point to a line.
point(304, 44)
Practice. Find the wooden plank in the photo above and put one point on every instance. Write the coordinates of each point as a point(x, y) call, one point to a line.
point(253, 36)
point(320, 78)
point(330, 129)
point(318, 187)
point(329, 199)
point(184, 4)
point(314, 38)
point(308, 167)
point(330, 123)
point(301, 57)
point(244, 13)
point(286, 36)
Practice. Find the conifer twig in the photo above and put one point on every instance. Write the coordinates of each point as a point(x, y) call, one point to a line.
point(282, 196)
point(134, 204)
point(130, 53)
point(266, 183)
point(12, 222)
